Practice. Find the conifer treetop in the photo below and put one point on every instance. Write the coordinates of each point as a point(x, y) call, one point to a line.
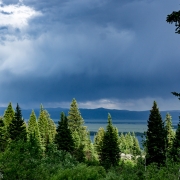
point(155, 142)
point(17, 128)
point(33, 129)
point(8, 114)
point(75, 120)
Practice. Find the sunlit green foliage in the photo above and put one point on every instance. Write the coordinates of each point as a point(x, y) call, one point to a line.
point(33, 129)
point(47, 128)
point(8, 115)
point(170, 134)
point(79, 131)
point(98, 140)
point(129, 144)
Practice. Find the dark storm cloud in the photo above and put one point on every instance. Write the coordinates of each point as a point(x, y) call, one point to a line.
point(92, 50)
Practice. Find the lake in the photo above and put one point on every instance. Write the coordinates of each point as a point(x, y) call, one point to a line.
point(122, 125)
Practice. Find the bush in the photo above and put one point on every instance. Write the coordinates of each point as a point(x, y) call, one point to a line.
point(168, 172)
point(81, 172)
point(21, 161)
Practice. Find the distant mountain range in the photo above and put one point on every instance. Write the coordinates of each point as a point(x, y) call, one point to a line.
point(100, 114)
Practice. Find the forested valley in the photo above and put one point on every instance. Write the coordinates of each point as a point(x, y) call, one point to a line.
point(38, 149)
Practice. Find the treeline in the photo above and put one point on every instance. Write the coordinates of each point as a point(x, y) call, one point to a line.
point(40, 150)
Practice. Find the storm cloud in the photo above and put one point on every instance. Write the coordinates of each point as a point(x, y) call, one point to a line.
point(113, 54)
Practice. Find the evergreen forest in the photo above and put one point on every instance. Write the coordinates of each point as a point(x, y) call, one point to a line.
point(38, 149)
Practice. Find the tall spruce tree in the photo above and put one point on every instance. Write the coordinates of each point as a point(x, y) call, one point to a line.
point(175, 152)
point(170, 134)
point(75, 120)
point(33, 129)
point(155, 142)
point(122, 143)
point(98, 140)
point(8, 115)
point(136, 148)
point(47, 127)
point(17, 128)
point(128, 143)
point(76, 125)
point(110, 154)
point(64, 139)
point(43, 129)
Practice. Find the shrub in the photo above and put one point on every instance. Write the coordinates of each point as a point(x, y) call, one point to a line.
point(80, 172)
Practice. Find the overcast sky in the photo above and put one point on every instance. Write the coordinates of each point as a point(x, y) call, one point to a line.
point(117, 54)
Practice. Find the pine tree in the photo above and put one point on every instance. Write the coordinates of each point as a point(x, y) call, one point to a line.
point(128, 143)
point(33, 129)
point(64, 139)
point(17, 128)
point(169, 133)
point(8, 115)
point(76, 124)
point(110, 154)
point(122, 143)
point(90, 152)
point(52, 130)
point(136, 148)
point(47, 127)
point(43, 129)
point(155, 142)
point(75, 120)
point(175, 152)
point(98, 140)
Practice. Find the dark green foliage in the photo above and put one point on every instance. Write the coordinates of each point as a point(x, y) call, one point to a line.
point(20, 161)
point(174, 17)
point(3, 135)
point(176, 94)
point(110, 154)
point(64, 139)
point(155, 142)
point(175, 153)
point(17, 128)
point(168, 172)
point(79, 153)
point(25, 161)
point(81, 172)
point(54, 157)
